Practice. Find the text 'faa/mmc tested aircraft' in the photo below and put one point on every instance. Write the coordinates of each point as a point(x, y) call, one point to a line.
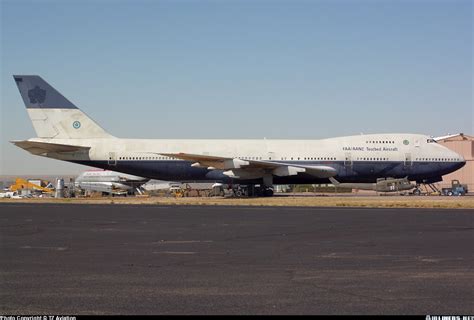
point(66, 133)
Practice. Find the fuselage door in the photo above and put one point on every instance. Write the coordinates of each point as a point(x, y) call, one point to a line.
point(271, 155)
point(112, 161)
point(347, 160)
point(408, 160)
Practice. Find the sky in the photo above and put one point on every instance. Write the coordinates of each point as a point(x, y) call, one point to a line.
point(239, 69)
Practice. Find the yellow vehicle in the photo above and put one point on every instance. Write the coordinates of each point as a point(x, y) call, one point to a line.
point(22, 184)
point(177, 192)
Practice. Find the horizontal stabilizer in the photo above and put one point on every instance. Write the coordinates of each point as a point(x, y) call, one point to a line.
point(39, 148)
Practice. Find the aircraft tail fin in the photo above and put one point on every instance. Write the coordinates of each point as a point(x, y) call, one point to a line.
point(53, 116)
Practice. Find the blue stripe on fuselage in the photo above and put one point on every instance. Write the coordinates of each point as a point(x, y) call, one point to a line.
point(359, 171)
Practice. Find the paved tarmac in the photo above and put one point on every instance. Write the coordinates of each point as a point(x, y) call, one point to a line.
point(111, 259)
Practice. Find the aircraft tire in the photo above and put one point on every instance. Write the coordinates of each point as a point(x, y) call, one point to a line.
point(268, 193)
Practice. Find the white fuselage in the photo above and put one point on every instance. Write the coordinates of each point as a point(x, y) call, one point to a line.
point(357, 158)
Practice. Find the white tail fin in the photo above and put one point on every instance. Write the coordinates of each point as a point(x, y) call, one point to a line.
point(53, 116)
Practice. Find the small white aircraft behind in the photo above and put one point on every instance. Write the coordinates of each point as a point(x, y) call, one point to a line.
point(66, 133)
point(110, 182)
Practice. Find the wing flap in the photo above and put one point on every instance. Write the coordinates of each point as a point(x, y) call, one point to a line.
point(214, 162)
point(276, 168)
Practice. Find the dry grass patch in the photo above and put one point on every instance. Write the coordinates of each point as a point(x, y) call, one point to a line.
point(316, 201)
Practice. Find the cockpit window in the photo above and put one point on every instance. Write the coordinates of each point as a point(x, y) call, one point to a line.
point(431, 141)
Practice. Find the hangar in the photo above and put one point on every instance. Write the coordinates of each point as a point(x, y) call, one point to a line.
point(464, 145)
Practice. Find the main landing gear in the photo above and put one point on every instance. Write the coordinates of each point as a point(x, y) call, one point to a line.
point(241, 191)
point(265, 189)
point(268, 192)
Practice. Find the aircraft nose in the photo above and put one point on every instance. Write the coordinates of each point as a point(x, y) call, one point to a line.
point(460, 158)
point(461, 162)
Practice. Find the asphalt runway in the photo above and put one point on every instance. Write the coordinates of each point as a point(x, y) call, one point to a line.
point(111, 259)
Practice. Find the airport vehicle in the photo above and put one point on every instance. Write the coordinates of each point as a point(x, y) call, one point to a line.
point(110, 182)
point(429, 189)
point(64, 132)
point(381, 185)
point(21, 184)
point(176, 192)
point(456, 189)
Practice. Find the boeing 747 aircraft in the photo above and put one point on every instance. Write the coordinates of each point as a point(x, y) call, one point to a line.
point(65, 133)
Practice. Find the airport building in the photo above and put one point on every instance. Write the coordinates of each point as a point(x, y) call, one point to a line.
point(464, 145)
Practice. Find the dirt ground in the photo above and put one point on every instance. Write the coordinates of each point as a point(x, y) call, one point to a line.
point(292, 201)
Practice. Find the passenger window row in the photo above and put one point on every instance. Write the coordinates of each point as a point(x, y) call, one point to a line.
point(308, 158)
point(146, 158)
point(380, 141)
point(297, 158)
point(438, 159)
point(250, 158)
point(373, 159)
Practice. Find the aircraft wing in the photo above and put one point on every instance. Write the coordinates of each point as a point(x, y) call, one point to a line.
point(40, 148)
point(276, 168)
